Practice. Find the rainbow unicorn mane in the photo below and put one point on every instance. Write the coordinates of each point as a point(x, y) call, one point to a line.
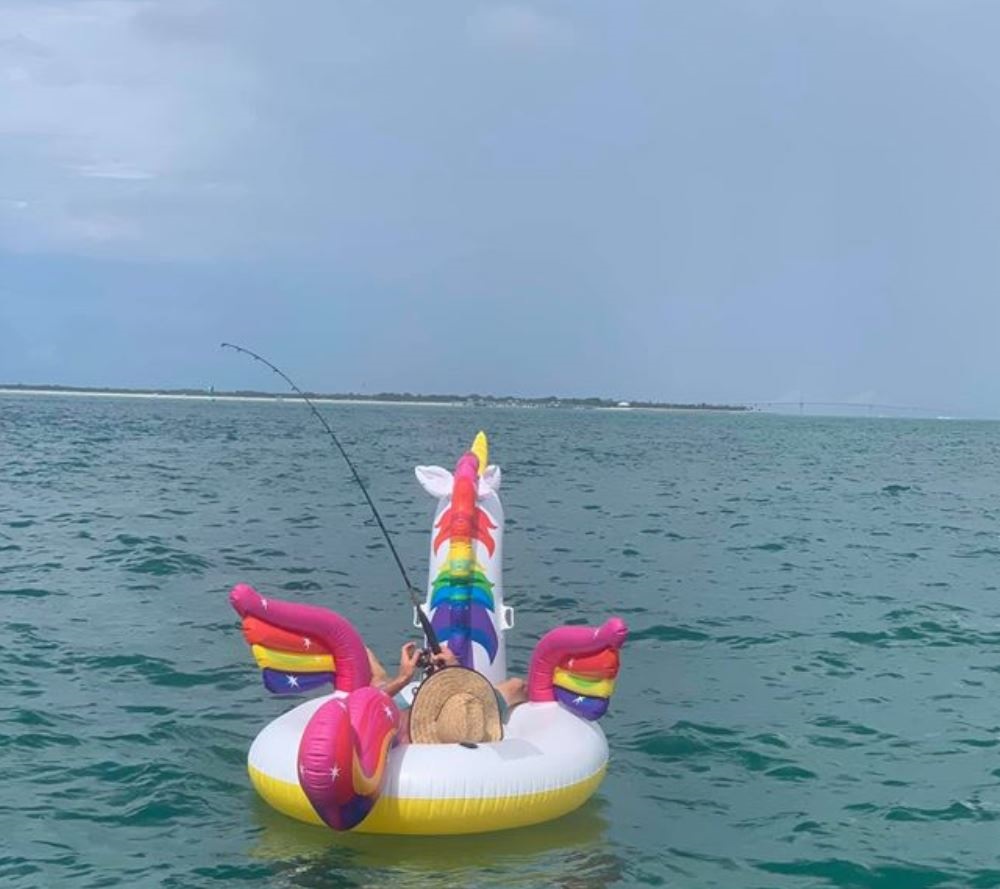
point(463, 595)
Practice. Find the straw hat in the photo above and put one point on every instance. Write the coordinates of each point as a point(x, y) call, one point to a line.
point(455, 705)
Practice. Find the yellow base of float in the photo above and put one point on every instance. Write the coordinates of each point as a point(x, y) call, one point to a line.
point(549, 763)
point(437, 816)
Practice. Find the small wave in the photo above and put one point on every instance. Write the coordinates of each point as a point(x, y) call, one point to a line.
point(300, 586)
point(39, 740)
point(29, 593)
point(697, 745)
point(835, 665)
point(848, 727)
point(846, 873)
point(773, 547)
point(152, 555)
point(549, 603)
point(158, 671)
point(303, 521)
point(742, 642)
point(14, 867)
point(981, 743)
point(663, 633)
point(978, 553)
point(895, 490)
point(928, 632)
point(791, 773)
point(174, 563)
point(954, 812)
point(771, 740)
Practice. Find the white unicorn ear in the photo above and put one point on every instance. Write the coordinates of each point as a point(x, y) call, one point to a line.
point(435, 481)
point(489, 481)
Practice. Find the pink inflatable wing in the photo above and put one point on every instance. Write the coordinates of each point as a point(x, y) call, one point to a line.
point(300, 647)
point(577, 666)
point(342, 755)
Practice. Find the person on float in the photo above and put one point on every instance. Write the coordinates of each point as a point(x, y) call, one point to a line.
point(509, 693)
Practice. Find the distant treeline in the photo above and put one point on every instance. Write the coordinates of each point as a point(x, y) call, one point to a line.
point(401, 397)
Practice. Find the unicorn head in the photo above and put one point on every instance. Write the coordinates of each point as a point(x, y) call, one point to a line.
point(465, 594)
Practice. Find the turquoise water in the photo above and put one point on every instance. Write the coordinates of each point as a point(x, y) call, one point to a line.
point(808, 698)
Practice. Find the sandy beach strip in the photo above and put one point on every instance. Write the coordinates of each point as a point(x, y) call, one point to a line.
point(263, 399)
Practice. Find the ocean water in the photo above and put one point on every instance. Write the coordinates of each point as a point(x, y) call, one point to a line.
point(809, 696)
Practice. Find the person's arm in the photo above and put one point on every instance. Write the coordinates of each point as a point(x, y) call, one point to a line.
point(408, 659)
point(379, 675)
point(446, 658)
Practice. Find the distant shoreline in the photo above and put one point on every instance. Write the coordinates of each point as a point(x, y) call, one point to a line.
point(387, 398)
point(222, 396)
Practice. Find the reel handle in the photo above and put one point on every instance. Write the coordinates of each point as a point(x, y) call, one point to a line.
point(426, 663)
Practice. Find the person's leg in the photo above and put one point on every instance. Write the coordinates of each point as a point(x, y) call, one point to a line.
point(403, 735)
point(514, 691)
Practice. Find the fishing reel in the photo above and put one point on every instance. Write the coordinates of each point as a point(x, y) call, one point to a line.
point(425, 661)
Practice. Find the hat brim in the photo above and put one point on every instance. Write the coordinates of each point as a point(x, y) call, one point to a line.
point(435, 691)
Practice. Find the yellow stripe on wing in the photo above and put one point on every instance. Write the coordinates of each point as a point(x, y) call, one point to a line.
point(592, 688)
point(290, 662)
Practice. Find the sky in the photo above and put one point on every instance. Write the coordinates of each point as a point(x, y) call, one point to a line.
point(679, 201)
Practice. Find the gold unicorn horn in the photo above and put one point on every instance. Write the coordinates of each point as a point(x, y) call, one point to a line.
point(481, 448)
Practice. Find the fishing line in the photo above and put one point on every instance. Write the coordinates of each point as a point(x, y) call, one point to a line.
point(415, 595)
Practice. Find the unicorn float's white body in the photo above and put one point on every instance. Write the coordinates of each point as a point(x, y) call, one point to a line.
point(332, 761)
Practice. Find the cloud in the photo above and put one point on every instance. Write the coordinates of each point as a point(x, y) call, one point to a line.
point(114, 171)
point(516, 26)
point(102, 102)
point(175, 129)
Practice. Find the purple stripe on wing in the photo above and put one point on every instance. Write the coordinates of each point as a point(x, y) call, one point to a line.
point(279, 682)
point(582, 705)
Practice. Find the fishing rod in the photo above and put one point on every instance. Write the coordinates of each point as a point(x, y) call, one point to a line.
point(414, 593)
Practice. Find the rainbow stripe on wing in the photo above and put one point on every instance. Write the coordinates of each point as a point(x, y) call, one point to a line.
point(290, 663)
point(585, 684)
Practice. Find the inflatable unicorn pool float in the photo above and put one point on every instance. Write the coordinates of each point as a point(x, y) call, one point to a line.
point(332, 760)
